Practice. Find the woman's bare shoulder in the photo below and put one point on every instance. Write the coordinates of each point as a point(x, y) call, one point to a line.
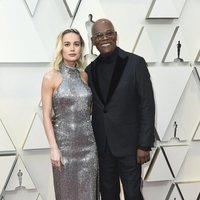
point(84, 76)
point(51, 75)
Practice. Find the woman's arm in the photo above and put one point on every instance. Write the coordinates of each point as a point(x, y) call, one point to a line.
point(46, 93)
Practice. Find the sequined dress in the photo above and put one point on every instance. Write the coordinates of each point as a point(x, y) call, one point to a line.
point(74, 135)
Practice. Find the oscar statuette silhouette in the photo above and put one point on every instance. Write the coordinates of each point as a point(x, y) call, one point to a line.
point(175, 138)
point(178, 59)
point(90, 56)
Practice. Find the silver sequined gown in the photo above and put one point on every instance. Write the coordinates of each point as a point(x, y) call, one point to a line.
point(74, 136)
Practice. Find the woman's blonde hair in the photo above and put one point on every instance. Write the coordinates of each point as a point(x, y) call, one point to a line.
point(58, 59)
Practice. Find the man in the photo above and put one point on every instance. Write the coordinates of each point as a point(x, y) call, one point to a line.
point(122, 114)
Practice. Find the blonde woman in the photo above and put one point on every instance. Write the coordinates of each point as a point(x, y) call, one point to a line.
point(65, 93)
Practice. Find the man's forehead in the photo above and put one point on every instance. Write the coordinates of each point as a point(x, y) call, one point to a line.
point(98, 24)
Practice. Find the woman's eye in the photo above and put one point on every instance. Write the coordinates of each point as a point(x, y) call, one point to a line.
point(77, 44)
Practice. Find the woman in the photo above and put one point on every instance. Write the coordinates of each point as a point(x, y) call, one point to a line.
point(73, 149)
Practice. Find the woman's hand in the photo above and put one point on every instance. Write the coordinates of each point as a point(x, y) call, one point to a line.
point(56, 158)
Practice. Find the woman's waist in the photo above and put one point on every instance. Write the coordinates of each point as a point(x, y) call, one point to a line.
point(70, 121)
point(71, 117)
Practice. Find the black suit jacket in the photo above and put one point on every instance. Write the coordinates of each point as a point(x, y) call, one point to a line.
point(126, 120)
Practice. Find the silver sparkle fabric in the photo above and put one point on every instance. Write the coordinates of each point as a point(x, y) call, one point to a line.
point(74, 135)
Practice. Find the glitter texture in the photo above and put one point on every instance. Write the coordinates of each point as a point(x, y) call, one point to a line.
point(75, 138)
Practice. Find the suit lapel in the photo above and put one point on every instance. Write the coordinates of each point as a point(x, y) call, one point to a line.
point(116, 76)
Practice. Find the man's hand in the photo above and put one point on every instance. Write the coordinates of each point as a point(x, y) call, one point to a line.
point(142, 156)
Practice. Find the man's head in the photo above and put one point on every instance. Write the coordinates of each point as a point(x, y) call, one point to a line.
point(104, 36)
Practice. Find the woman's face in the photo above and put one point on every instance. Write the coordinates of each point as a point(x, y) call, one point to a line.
point(71, 51)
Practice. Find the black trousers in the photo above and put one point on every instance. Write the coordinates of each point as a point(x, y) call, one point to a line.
point(112, 169)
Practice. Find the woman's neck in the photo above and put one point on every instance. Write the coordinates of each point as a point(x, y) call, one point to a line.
point(70, 64)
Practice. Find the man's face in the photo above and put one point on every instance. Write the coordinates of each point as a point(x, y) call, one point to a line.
point(104, 37)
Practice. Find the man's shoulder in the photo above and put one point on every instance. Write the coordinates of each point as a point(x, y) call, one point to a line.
point(131, 55)
point(92, 64)
point(88, 68)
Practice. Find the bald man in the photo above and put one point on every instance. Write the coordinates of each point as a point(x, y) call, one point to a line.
point(122, 114)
